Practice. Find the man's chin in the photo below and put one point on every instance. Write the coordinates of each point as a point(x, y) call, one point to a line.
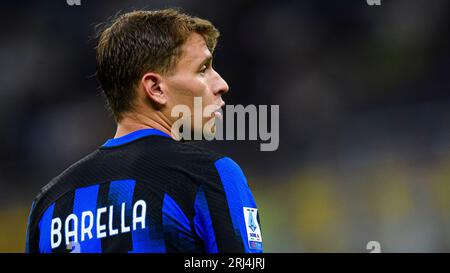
point(209, 128)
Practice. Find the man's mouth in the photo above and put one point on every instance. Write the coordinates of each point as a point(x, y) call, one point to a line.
point(218, 111)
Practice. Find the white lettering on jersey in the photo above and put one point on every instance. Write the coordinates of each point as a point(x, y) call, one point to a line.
point(55, 230)
point(78, 230)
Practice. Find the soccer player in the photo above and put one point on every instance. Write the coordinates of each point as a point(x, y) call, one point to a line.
point(143, 190)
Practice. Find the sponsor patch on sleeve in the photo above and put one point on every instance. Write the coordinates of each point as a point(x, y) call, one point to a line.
point(252, 227)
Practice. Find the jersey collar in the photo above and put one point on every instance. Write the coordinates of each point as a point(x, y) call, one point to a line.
point(113, 142)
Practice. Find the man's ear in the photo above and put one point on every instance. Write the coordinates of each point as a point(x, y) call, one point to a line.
point(152, 83)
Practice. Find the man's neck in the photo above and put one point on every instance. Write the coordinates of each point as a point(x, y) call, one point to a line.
point(136, 121)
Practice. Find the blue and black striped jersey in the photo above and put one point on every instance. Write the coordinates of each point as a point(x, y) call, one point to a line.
point(145, 192)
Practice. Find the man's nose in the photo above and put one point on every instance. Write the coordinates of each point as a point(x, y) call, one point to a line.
point(220, 85)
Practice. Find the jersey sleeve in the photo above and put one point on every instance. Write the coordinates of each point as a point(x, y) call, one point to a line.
point(29, 238)
point(226, 216)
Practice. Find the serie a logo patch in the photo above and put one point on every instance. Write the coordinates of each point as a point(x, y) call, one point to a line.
point(252, 227)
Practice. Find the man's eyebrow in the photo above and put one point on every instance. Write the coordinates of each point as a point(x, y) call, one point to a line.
point(207, 61)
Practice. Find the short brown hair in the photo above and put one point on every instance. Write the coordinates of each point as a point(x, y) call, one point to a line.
point(141, 41)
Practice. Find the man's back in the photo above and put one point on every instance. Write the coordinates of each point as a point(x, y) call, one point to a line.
point(145, 192)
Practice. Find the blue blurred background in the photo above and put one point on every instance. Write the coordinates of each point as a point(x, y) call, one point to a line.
point(364, 95)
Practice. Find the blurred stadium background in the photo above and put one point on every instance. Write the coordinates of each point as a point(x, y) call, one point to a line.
point(364, 101)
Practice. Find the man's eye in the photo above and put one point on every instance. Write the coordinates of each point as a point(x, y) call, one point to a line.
point(203, 70)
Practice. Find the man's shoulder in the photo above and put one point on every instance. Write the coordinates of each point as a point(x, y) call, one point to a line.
point(168, 152)
point(174, 162)
point(187, 157)
point(152, 153)
point(58, 184)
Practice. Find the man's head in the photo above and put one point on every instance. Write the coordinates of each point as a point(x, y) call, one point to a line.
point(150, 61)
